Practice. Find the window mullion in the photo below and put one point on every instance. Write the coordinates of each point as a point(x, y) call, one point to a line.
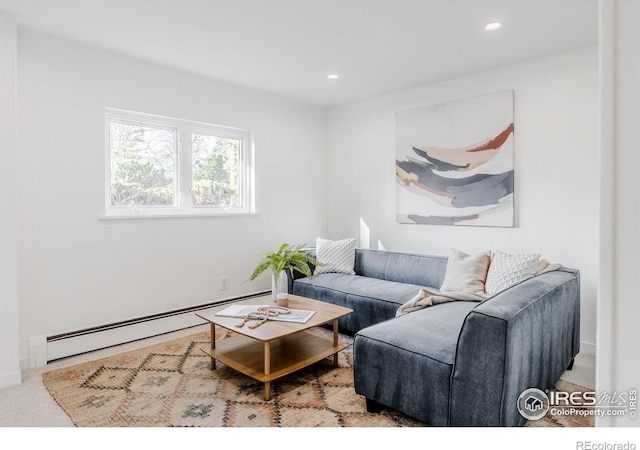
point(186, 169)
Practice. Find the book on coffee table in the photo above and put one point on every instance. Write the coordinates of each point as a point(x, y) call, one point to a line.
point(241, 311)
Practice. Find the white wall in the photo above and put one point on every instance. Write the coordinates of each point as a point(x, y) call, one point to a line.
point(617, 363)
point(78, 271)
point(556, 172)
point(9, 367)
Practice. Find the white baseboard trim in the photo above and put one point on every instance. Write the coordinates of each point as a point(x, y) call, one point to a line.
point(37, 351)
point(10, 379)
point(24, 363)
point(587, 348)
point(102, 337)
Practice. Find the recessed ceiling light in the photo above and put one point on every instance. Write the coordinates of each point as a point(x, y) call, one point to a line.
point(333, 76)
point(493, 26)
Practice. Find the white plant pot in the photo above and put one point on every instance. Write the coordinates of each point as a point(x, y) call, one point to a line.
point(279, 287)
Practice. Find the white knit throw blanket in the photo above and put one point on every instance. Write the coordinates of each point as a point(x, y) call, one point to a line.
point(429, 297)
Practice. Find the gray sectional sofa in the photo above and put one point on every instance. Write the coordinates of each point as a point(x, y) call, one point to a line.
point(460, 363)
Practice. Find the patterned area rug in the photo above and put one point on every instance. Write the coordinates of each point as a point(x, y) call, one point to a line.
point(171, 385)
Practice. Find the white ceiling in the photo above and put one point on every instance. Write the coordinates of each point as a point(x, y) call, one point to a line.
point(288, 47)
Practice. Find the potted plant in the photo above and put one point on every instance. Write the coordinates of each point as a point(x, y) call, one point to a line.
point(286, 259)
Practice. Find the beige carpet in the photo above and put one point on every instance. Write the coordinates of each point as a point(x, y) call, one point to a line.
point(171, 385)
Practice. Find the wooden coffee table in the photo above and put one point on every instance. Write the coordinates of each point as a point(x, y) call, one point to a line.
point(274, 349)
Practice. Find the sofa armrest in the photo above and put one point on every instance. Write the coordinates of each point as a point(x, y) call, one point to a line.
point(523, 337)
point(296, 275)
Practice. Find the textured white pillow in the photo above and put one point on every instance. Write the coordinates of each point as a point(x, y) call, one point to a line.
point(465, 273)
point(506, 270)
point(337, 256)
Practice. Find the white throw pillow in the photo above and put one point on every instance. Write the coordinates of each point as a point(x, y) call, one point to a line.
point(465, 273)
point(507, 270)
point(337, 256)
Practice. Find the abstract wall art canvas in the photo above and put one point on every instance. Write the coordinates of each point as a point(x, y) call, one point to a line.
point(454, 163)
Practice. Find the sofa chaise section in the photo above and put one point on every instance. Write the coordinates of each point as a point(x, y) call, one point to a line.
point(408, 370)
point(526, 336)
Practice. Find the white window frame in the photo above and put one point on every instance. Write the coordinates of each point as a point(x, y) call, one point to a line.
point(184, 129)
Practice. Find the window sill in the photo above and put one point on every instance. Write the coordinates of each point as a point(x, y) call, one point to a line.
point(143, 216)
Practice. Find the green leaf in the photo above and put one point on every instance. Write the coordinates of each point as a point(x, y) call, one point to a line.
point(288, 258)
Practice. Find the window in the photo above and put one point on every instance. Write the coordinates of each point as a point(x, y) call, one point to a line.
point(158, 166)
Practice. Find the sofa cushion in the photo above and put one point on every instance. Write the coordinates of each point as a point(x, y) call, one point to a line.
point(371, 299)
point(434, 330)
point(371, 288)
point(423, 270)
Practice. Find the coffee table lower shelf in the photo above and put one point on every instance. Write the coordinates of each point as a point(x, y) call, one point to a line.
point(266, 361)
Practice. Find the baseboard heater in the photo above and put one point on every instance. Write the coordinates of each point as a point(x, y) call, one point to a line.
point(117, 333)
